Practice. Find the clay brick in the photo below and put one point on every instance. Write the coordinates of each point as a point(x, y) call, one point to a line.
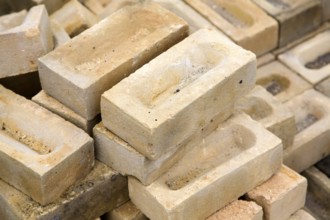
point(246, 156)
point(273, 115)
point(115, 152)
point(264, 59)
point(101, 191)
point(280, 81)
point(128, 211)
point(48, 102)
point(237, 210)
point(243, 21)
point(97, 6)
point(324, 87)
point(21, 46)
point(46, 153)
point(74, 18)
point(282, 195)
point(12, 20)
point(311, 143)
point(310, 59)
point(59, 33)
point(296, 18)
point(112, 49)
point(301, 215)
point(178, 93)
point(318, 184)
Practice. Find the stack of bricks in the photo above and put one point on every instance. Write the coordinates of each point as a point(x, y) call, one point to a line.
point(164, 109)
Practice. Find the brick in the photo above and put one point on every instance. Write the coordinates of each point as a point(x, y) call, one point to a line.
point(246, 156)
point(96, 6)
point(127, 211)
point(12, 20)
point(186, 80)
point(325, 10)
point(238, 210)
point(21, 46)
point(280, 81)
point(310, 59)
point(112, 50)
point(115, 152)
point(312, 115)
point(59, 33)
point(301, 215)
point(264, 59)
point(324, 87)
point(74, 18)
point(273, 115)
point(296, 18)
point(282, 195)
point(318, 184)
point(41, 148)
point(250, 28)
point(48, 102)
point(101, 191)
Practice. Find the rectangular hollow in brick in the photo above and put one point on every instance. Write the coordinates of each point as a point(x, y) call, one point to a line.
point(41, 154)
point(246, 156)
point(112, 49)
point(179, 92)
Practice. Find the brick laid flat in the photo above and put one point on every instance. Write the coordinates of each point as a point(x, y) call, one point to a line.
point(282, 195)
point(179, 92)
point(12, 20)
point(106, 53)
point(127, 211)
point(41, 154)
point(243, 21)
point(21, 46)
point(212, 174)
point(239, 210)
point(301, 215)
point(101, 191)
point(311, 143)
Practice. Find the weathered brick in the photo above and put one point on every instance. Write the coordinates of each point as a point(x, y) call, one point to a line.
point(12, 20)
point(266, 109)
point(296, 18)
point(127, 211)
point(310, 59)
point(282, 195)
point(311, 143)
point(111, 49)
point(301, 215)
point(213, 174)
point(45, 153)
point(280, 81)
point(264, 59)
point(101, 191)
point(243, 21)
point(21, 46)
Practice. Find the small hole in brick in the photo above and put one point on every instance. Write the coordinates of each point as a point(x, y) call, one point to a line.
point(156, 119)
point(241, 81)
point(93, 48)
point(176, 91)
point(211, 121)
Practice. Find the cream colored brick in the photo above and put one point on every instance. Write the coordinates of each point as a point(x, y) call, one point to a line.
point(97, 6)
point(301, 215)
point(272, 114)
point(243, 21)
point(48, 102)
point(106, 53)
point(264, 59)
point(60, 35)
point(296, 18)
point(127, 211)
point(282, 195)
point(179, 92)
point(45, 153)
point(12, 20)
point(311, 143)
point(74, 18)
point(102, 190)
point(280, 81)
point(239, 210)
point(213, 174)
point(306, 58)
point(21, 46)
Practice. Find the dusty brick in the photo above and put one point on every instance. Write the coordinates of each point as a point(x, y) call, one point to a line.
point(127, 211)
point(311, 143)
point(21, 46)
point(272, 114)
point(280, 81)
point(12, 20)
point(101, 191)
point(243, 21)
point(296, 18)
point(282, 195)
point(301, 215)
point(112, 50)
point(246, 156)
point(310, 59)
point(264, 59)
point(178, 93)
point(46, 153)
